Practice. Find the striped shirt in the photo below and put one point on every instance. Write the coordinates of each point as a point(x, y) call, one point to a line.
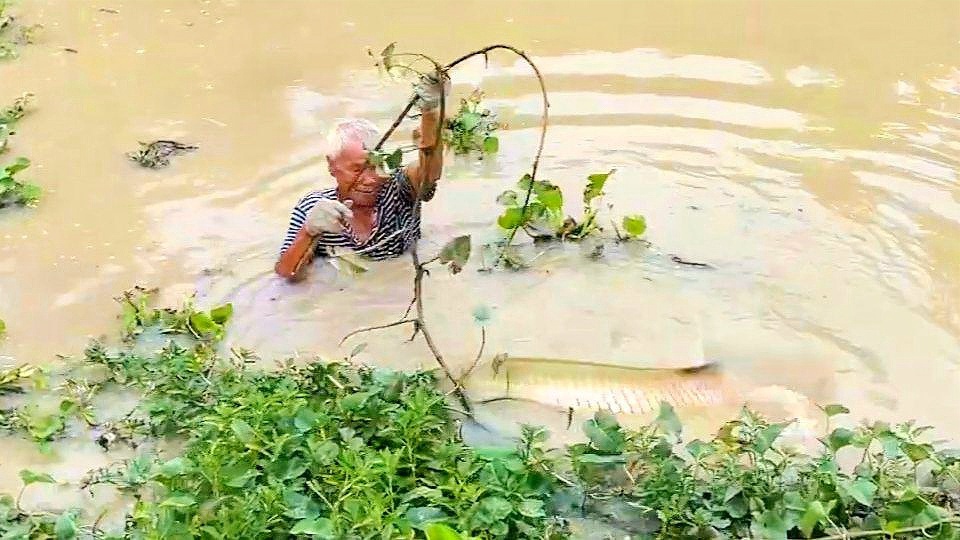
point(396, 228)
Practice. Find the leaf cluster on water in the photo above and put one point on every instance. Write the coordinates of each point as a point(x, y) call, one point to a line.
point(13, 190)
point(13, 34)
point(472, 128)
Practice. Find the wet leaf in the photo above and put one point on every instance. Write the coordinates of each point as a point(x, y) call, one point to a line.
point(495, 508)
point(18, 165)
point(420, 516)
point(839, 438)
point(469, 121)
point(66, 526)
point(770, 526)
point(508, 198)
point(395, 160)
point(511, 218)
point(834, 409)
point(635, 225)
point(491, 145)
point(30, 477)
point(767, 437)
point(532, 508)
point(815, 514)
point(222, 314)
point(203, 324)
point(456, 253)
point(354, 401)
point(860, 490)
point(549, 196)
point(667, 419)
point(439, 531)
point(603, 436)
point(595, 183)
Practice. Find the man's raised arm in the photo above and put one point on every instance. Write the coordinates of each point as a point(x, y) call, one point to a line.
point(424, 173)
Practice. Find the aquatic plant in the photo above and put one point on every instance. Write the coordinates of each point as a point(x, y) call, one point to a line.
point(13, 34)
point(472, 128)
point(157, 154)
point(338, 450)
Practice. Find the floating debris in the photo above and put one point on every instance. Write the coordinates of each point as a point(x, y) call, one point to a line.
point(156, 155)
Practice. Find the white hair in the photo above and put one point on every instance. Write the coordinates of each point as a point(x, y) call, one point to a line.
point(349, 131)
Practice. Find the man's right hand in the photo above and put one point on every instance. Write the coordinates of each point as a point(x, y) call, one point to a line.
point(328, 215)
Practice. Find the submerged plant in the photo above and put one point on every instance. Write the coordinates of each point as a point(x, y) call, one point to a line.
point(157, 154)
point(472, 128)
point(12, 33)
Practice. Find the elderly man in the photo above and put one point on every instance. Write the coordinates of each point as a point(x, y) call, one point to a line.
point(374, 215)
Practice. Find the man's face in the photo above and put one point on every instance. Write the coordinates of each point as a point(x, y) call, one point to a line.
point(356, 180)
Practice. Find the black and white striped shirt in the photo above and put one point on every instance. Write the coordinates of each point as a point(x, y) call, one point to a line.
point(396, 228)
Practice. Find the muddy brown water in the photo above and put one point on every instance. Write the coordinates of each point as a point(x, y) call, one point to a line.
point(808, 151)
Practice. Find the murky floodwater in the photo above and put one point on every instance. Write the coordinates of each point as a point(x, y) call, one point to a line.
point(808, 151)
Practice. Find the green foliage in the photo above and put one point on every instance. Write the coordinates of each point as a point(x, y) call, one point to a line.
point(345, 451)
point(743, 483)
point(472, 128)
point(14, 191)
point(137, 314)
point(13, 34)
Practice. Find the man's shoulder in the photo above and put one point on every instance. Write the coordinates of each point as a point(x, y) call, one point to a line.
point(310, 199)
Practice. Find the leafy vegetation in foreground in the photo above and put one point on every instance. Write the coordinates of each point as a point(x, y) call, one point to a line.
point(345, 451)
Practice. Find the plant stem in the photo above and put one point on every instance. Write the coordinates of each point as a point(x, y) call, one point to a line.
point(891, 534)
point(404, 320)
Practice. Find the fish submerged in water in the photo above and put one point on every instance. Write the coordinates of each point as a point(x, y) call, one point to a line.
point(582, 385)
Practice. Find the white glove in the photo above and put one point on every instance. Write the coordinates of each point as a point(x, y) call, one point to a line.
point(428, 90)
point(328, 215)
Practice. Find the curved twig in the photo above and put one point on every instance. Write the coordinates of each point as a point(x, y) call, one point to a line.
point(473, 366)
point(404, 320)
point(543, 128)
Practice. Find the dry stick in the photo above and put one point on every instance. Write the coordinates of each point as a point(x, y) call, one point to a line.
point(404, 320)
point(419, 270)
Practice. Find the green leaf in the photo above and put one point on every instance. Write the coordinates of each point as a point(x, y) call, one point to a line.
point(395, 160)
point(815, 514)
point(860, 490)
point(18, 165)
point(736, 507)
point(420, 516)
point(3, 327)
point(917, 452)
point(598, 458)
point(178, 501)
point(30, 193)
point(491, 145)
point(456, 253)
point(839, 438)
point(31, 477)
point(203, 324)
point(531, 508)
point(595, 183)
point(511, 218)
point(176, 467)
point(66, 526)
point(44, 426)
point(238, 475)
point(767, 437)
point(770, 526)
point(439, 531)
point(550, 196)
point(305, 419)
point(635, 225)
point(320, 526)
point(507, 198)
point(242, 430)
point(834, 409)
point(495, 508)
point(603, 436)
point(355, 400)
point(469, 120)
point(222, 314)
point(667, 419)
